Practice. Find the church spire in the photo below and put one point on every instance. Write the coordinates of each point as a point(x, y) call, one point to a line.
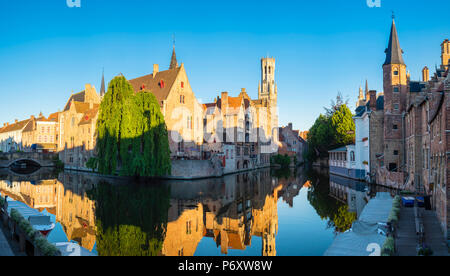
point(102, 89)
point(173, 61)
point(394, 52)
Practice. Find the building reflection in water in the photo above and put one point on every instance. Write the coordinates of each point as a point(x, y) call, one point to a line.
point(116, 217)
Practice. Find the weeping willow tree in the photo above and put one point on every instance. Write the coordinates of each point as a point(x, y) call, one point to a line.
point(132, 134)
point(131, 220)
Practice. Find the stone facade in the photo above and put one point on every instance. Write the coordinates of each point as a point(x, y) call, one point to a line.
point(77, 128)
point(291, 143)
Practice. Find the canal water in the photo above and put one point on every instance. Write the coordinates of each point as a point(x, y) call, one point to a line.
point(259, 213)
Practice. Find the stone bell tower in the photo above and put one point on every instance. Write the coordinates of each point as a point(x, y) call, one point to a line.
point(267, 92)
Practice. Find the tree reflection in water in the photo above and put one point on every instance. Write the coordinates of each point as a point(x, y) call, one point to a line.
point(327, 207)
point(131, 220)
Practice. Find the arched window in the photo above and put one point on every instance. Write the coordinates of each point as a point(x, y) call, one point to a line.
point(352, 156)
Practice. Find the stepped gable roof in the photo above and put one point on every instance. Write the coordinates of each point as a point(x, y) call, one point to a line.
point(159, 85)
point(88, 116)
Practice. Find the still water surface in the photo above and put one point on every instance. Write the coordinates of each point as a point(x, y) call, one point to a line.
point(260, 213)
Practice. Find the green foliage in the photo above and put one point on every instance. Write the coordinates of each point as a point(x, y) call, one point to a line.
point(332, 130)
point(92, 163)
point(344, 219)
point(24, 224)
point(2, 201)
point(132, 134)
point(328, 208)
point(388, 248)
point(425, 251)
point(131, 220)
point(283, 160)
point(45, 247)
point(394, 215)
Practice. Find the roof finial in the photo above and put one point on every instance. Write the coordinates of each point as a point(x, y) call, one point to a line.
point(173, 38)
point(393, 15)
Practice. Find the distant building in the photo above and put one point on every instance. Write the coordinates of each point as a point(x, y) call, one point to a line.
point(291, 143)
point(11, 136)
point(41, 134)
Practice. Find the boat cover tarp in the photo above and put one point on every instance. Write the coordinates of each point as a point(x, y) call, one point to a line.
point(363, 238)
point(378, 209)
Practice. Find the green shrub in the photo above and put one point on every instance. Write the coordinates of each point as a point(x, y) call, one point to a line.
point(92, 164)
point(283, 160)
point(45, 247)
point(388, 247)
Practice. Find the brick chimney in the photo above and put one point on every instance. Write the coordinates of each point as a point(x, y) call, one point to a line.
point(16, 121)
point(373, 99)
point(425, 74)
point(155, 70)
point(224, 100)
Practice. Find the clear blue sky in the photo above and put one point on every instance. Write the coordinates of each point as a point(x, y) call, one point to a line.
point(48, 50)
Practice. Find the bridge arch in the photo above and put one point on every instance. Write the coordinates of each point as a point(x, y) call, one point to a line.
point(37, 162)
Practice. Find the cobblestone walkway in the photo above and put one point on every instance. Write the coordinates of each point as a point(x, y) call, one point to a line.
point(407, 240)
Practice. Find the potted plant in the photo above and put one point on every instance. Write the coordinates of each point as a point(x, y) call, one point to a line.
point(424, 250)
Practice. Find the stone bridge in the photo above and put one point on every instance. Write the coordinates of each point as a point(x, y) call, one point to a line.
point(41, 159)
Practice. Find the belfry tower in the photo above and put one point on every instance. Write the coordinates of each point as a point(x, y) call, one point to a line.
point(395, 84)
point(267, 92)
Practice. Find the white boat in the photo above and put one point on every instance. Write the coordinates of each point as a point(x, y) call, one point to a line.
point(72, 249)
point(38, 221)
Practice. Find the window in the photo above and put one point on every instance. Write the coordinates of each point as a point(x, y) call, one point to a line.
point(182, 84)
point(395, 106)
point(161, 84)
point(395, 152)
point(395, 72)
point(352, 156)
point(395, 127)
point(396, 89)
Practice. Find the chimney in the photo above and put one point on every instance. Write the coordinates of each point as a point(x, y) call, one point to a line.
point(373, 99)
point(16, 121)
point(290, 126)
point(224, 100)
point(155, 70)
point(425, 74)
point(32, 117)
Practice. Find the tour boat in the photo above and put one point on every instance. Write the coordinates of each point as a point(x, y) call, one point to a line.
point(38, 221)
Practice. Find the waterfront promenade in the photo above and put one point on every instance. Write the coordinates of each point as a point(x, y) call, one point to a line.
point(5, 248)
point(407, 239)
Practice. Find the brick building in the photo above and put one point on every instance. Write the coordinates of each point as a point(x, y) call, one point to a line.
point(412, 151)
